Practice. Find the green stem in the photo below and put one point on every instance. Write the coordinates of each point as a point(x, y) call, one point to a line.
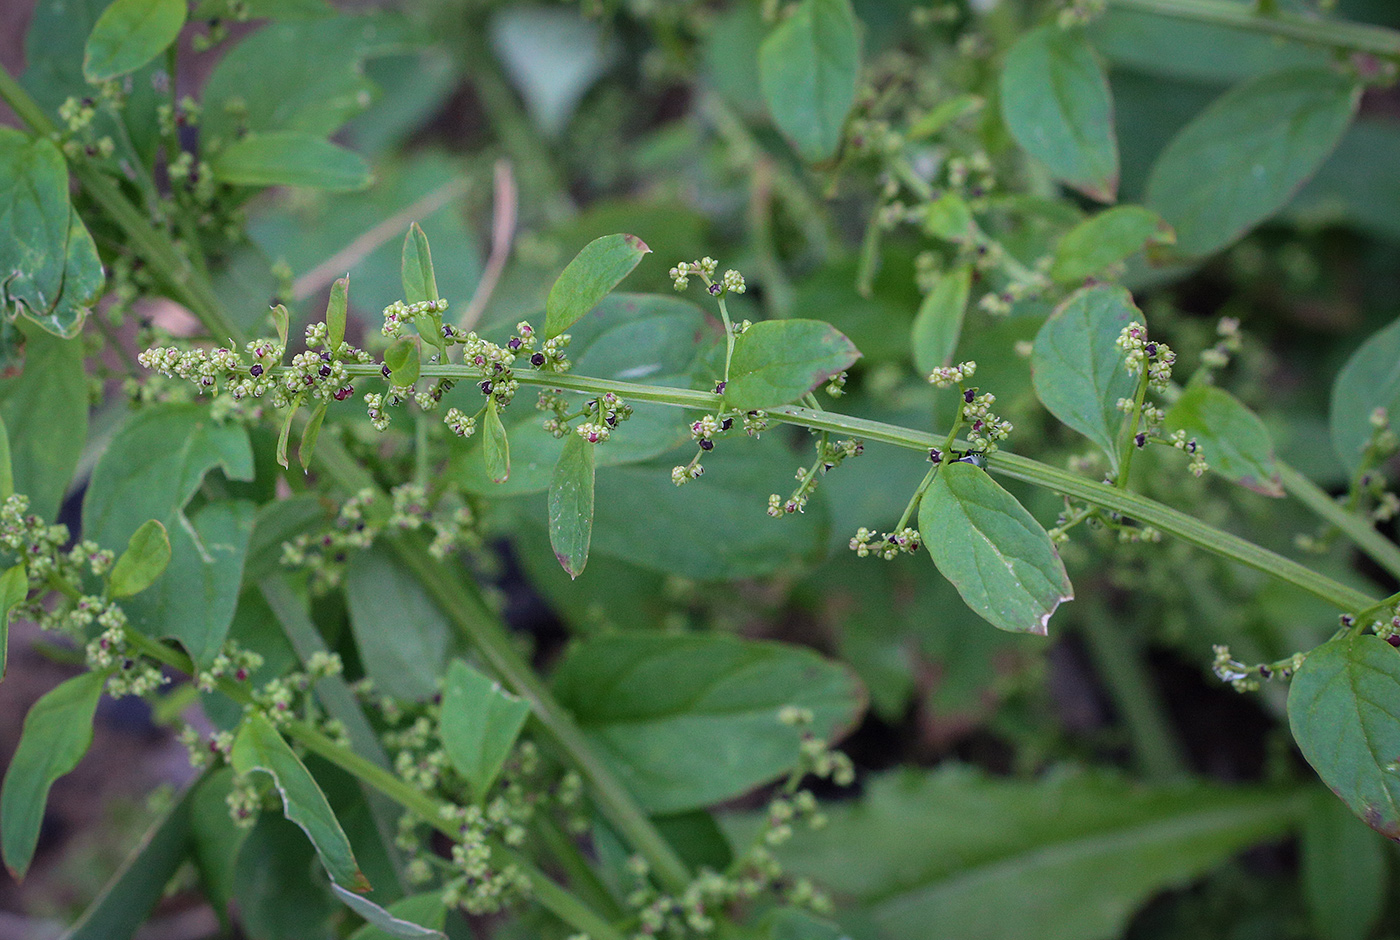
point(914, 500)
point(1356, 37)
point(1357, 528)
point(582, 878)
point(1127, 446)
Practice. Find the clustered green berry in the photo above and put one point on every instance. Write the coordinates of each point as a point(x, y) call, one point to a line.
point(1140, 352)
point(731, 283)
point(829, 457)
point(888, 546)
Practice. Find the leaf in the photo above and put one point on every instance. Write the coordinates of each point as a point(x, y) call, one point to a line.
point(808, 67)
point(1056, 103)
point(495, 444)
point(57, 733)
point(151, 469)
point(1344, 710)
point(285, 435)
point(552, 55)
point(216, 839)
point(129, 34)
point(791, 923)
point(258, 747)
point(1233, 439)
point(335, 313)
point(1344, 872)
point(994, 552)
point(133, 892)
point(1369, 380)
point(480, 722)
point(779, 361)
point(1243, 158)
point(147, 553)
point(278, 885)
point(591, 276)
point(310, 433)
point(404, 361)
point(1067, 856)
point(281, 320)
point(7, 470)
point(939, 323)
point(948, 217)
point(1078, 369)
point(386, 922)
point(426, 909)
point(571, 505)
point(45, 409)
point(419, 282)
point(289, 158)
point(14, 588)
point(1106, 239)
point(401, 634)
point(690, 720)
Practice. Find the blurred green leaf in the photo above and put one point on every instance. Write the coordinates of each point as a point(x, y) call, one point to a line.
point(691, 720)
point(571, 504)
point(778, 361)
point(390, 923)
point(401, 634)
point(216, 839)
point(1105, 239)
point(1239, 161)
point(1056, 103)
point(1344, 870)
point(480, 722)
point(1370, 380)
point(495, 445)
point(404, 361)
point(938, 325)
point(808, 67)
point(591, 276)
point(335, 312)
point(45, 410)
point(280, 888)
point(553, 55)
point(130, 33)
point(1235, 442)
point(290, 158)
point(14, 588)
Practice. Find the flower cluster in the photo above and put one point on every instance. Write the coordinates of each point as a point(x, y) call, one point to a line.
point(829, 457)
point(888, 546)
point(399, 314)
point(1141, 353)
point(1181, 442)
point(985, 428)
point(731, 283)
point(948, 376)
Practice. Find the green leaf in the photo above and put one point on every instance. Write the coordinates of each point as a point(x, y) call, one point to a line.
point(947, 112)
point(45, 409)
point(7, 470)
point(419, 282)
point(1369, 380)
point(129, 34)
point(285, 435)
point(1243, 158)
point(281, 320)
point(309, 434)
point(1078, 369)
point(385, 921)
point(480, 722)
point(779, 361)
point(690, 720)
point(571, 505)
point(1056, 103)
point(216, 839)
point(151, 469)
point(591, 276)
point(948, 217)
point(424, 910)
point(1344, 872)
point(939, 322)
point(791, 923)
point(335, 312)
point(57, 733)
point(14, 588)
point(495, 445)
point(147, 553)
point(401, 634)
point(808, 67)
point(128, 899)
point(280, 891)
point(1344, 709)
point(1233, 439)
point(258, 747)
point(1067, 856)
point(290, 158)
point(1106, 239)
point(82, 284)
point(994, 552)
point(404, 361)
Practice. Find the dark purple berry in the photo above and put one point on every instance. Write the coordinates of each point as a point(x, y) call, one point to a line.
point(707, 445)
point(1150, 349)
point(325, 356)
point(344, 393)
point(969, 395)
point(537, 360)
point(514, 343)
point(386, 372)
point(1140, 440)
point(256, 371)
point(719, 388)
point(1393, 639)
point(325, 371)
point(486, 388)
point(308, 380)
point(727, 423)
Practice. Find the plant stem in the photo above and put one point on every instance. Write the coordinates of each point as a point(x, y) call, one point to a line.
point(1381, 549)
point(1127, 446)
point(1356, 37)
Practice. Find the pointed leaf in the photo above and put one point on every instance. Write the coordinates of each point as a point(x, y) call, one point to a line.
point(281, 320)
point(57, 733)
point(419, 281)
point(480, 722)
point(1370, 380)
point(808, 67)
point(129, 34)
point(1232, 438)
point(391, 923)
point(495, 446)
point(1106, 239)
point(335, 312)
point(688, 720)
point(285, 435)
point(1242, 159)
point(1336, 850)
point(938, 325)
point(591, 276)
point(1056, 103)
point(571, 505)
point(309, 433)
point(1344, 710)
point(779, 361)
point(258, 747)
point(1078, 369)
point(994, 552)
point(145, 558)
point(404, 361)
point(290, 158)
point(14, 588)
